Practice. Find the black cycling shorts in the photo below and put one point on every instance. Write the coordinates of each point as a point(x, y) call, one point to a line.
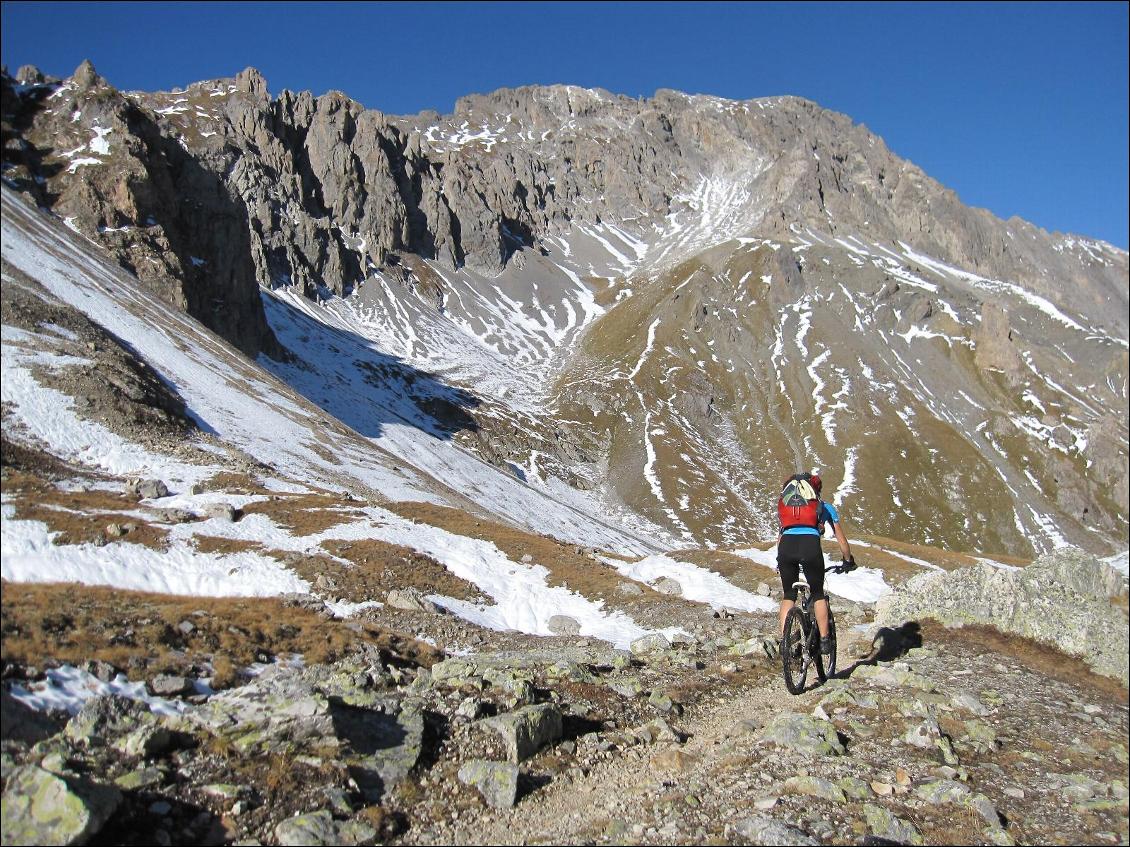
point(801, 551)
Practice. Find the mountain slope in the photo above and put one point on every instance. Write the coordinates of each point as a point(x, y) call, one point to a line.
point(669, 303)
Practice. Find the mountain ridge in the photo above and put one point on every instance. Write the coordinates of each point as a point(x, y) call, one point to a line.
point(496, 246)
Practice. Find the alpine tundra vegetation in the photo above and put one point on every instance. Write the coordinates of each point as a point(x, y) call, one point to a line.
point(410, 479)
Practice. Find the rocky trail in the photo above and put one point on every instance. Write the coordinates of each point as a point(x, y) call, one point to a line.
point(947, 736)
point(933, 747)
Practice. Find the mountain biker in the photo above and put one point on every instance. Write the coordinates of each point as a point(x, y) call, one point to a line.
point(799, 547)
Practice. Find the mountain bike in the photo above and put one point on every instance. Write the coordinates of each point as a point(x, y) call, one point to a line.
point(800, 647)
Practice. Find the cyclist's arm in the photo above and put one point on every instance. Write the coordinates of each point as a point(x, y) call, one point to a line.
point(841, 539)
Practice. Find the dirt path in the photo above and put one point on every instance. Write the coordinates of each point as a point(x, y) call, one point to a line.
point(1022, 737)
point(626, 796)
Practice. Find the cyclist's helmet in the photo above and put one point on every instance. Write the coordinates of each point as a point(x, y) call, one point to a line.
point(816, 483)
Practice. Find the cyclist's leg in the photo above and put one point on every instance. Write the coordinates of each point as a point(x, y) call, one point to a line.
point(813, 562)
point(788, 565)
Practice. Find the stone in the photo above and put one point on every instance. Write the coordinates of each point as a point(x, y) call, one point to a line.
point(175, 516)
point(764, 830)
point(657, 730)
point(746, 726)
point(672, 760)
point(103, 719)
point(803, 733)
point(965, 700)
point(653, 642)
point(42, 808)
point(527, 730)
point(278, 707)
point(629, 589)
point(497, 782)
point(815, 787)
point(564, 625)
point(667, 585)
point(855, 788)
point(763, 589)
point(320, 828)
point(224, 512)
point(883, 824)
point(469, 708)
point(168, 685)
point(661, 702)
point(939, 791)
point(149, 489)
point(140, 779)
point(146, 741)
point(411, 600)
point(1061, 599)
point(629, 687)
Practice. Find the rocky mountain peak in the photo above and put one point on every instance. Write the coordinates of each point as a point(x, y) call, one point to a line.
point(250, 81)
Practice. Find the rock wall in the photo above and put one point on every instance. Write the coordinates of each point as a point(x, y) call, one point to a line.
point(1062, 599)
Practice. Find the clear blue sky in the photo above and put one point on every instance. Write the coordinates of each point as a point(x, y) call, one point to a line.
point(1021, 108)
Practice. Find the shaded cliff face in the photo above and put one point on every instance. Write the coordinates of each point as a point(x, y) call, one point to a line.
point(111, 171)
point(670, 301)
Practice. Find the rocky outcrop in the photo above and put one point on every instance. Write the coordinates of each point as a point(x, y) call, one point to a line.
point(1062, 599)
point(204, 190)
point(104, 163)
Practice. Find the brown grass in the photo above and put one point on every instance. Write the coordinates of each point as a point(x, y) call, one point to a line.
point(304, 514)
point(1038, 657)
point(234, 483)
point(380, 566)
point(128, 629)
point(78, 516)
point(222, 546)
point(568, 568)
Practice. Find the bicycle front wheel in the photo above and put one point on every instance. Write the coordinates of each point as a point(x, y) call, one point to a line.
point(795, 657)
point(826, 665)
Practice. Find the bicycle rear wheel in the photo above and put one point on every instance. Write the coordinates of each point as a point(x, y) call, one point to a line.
point(795, 657)
point(826, 665)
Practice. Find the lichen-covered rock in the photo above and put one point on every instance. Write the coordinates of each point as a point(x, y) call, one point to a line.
point(766, 830)
point(411, 600)
point(318, 828)
point(653, 642)
point(563, 625)
point(883, 824)
point(815, 786)
point(170, 685)
point(804, 734)
point(43, 808)
point(275, 710)
point(103, 719)
point(497, 782)
point(1061, 599)
point(527, 730)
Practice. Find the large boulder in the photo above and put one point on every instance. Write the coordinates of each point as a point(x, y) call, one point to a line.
point(40, 807)
point(276, 709)
point(1061, 599)
point(527, 730)
point(497, 782)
